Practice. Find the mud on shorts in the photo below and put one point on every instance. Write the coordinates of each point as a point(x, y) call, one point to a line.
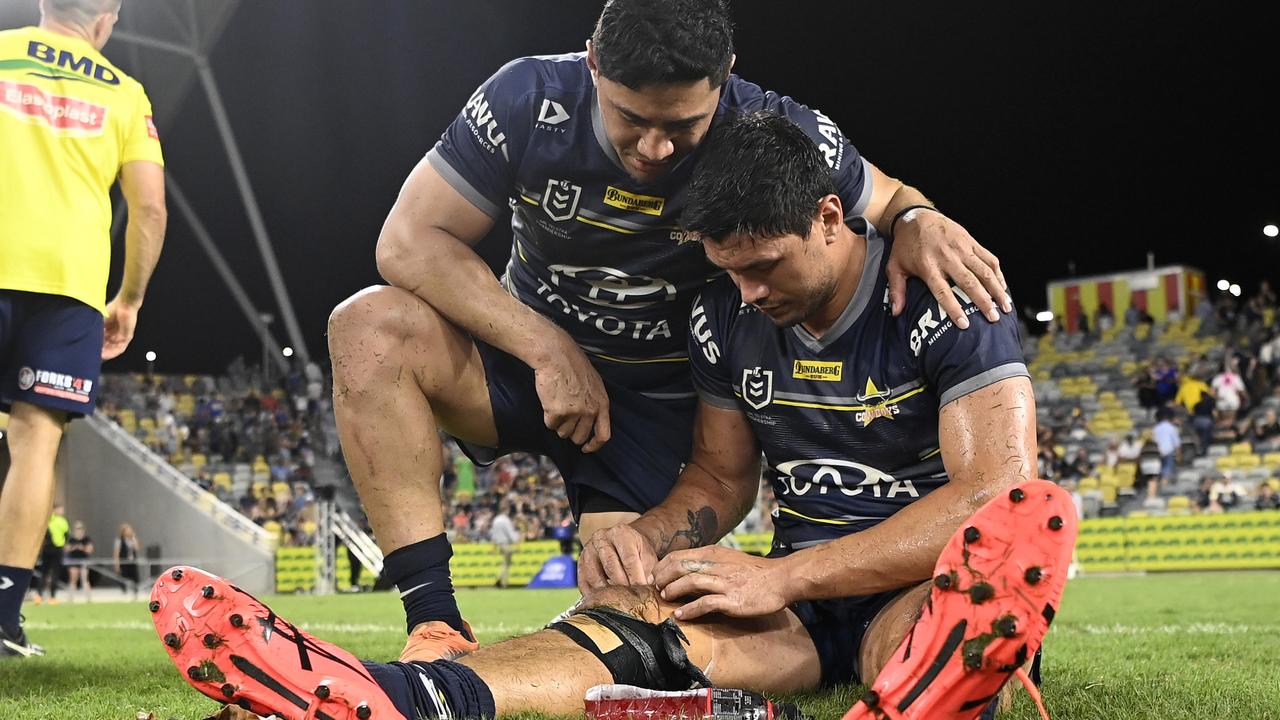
point(649, 444)
point(50, 352)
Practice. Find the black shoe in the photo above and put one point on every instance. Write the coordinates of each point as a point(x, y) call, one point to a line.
point(14, 643)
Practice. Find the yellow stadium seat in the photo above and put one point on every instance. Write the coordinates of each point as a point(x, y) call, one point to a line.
point(1108, 494)
point(279, 488)
point(1241, 448)
point(1087, 484)
point(147, 423)
point(1248, 461)
point(198, 460)
point(1179, 502)
point(261, 489)
point(222, 480)
point(1271, 459)
point(1226, 462)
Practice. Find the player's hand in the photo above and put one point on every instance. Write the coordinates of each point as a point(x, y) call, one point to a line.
point(933, 247)
point(574, 402)
point(723, 580)
point(122, 317)
point(617, 555)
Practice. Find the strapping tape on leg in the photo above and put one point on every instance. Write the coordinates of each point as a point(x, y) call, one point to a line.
point(635, 652)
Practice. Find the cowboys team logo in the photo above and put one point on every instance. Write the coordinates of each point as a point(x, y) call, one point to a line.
point(26, 378)
point(757, 387)
point(561, 199)
point(877, 404)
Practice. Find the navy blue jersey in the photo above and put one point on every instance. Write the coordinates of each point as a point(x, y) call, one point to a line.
point(848, 423)
point(597, 252)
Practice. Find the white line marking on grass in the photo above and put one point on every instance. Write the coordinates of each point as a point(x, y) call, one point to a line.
point(1189, 629)
point(313, 628)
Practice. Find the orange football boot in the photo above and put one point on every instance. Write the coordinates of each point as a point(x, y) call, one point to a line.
point(997, 586)
point(234, 649)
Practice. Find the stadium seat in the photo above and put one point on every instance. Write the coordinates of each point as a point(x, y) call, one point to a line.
point(199, 460)
point(1179, 503)
point(1241, 448)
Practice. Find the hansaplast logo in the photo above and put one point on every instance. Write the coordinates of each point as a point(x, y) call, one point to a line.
point(647, 204)
point(818, 370)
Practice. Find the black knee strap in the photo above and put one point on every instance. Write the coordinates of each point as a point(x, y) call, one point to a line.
point(635, 652)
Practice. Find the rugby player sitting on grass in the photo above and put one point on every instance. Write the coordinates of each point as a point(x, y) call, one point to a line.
point(901, 449)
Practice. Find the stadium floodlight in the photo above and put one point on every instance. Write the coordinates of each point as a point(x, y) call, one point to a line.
point(287, 352)
point(1235, 289)
point(1270, 230)
point(151, 356)
point(1045, 316)
point(1224, 285)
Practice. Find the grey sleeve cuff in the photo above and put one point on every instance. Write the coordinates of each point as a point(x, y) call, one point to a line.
point(717, 401)
point(459, 183)
point(983, 379)
point(864, 199)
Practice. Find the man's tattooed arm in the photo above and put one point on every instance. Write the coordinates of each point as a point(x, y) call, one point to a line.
point(703, 529)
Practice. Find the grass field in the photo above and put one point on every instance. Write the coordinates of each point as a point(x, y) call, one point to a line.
point(1161, 647)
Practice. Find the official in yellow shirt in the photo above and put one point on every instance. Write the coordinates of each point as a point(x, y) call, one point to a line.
point(71, 125)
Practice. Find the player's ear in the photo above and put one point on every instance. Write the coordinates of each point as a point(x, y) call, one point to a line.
point(831, 214)
point(591, 60)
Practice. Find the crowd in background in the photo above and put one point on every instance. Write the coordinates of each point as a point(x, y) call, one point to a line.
point(1223, 398)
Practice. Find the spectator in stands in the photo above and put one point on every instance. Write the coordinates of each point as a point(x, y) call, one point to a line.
point(1130, 448)
point(1106, 318)
point(125, 555)
point(1267, 498)
point(1265, 431)
point(1111, 456)
point(1076, 465)
point(1190, 390)
point(78, 548)
point(1225, 493)
point(1150, 466)
point(1168, 438)
point(1229, 389)
point(1145, 382)
point(52, 554)
point(1204, 496)
point(1048, 464)
point(1132, 316)
point(503, 535)
point(1166, 377)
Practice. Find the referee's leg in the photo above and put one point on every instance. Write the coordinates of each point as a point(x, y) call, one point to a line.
point(27, 498)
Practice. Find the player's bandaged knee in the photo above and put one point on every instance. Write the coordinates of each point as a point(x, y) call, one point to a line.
point(635, 652)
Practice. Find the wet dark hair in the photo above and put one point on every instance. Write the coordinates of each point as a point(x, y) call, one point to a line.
point(759, 174)
point(642, 42)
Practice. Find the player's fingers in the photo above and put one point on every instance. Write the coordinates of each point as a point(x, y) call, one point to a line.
point(563, 424)
point(704, 605)
point(610, 564)
point(673, 566)
point(603, 430)
point(695, 584)
point(590, 574)
point(581, 429)
point(1000, 290)
point(897, 287)
point(977, 283)
point(634, 563)
point(941, 289)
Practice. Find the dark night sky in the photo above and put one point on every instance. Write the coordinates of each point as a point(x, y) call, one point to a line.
point(1055, 131)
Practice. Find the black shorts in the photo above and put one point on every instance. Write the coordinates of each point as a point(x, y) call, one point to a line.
point(50, 352)
point(650, 441)
point(837, 628)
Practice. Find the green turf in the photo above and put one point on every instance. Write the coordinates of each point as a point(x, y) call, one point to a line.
point(1164, 647)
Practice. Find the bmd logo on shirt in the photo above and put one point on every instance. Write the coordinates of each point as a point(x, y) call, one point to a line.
point(561, 199)
point(757, 387)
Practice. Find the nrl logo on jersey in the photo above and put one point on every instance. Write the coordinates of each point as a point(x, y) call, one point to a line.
point(877, 405)
point(561, 199)
point(757, 387)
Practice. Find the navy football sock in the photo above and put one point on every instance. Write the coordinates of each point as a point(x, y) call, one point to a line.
point(13, 587)
point(421, 572)
point(440, 689)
